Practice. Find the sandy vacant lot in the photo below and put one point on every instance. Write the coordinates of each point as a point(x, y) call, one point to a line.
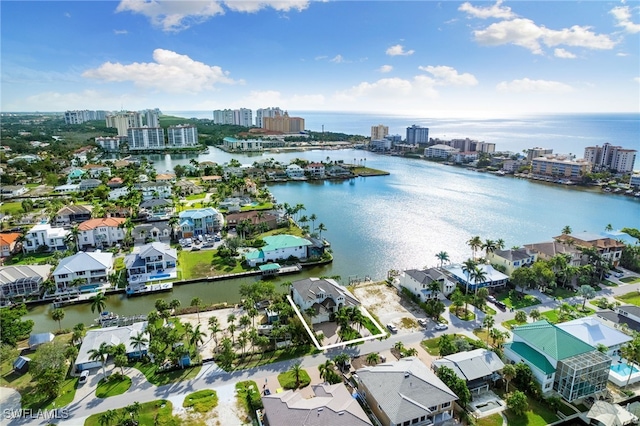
point(385, 302)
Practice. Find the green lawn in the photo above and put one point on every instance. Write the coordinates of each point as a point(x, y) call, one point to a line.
point(492, 420)
point(288, 380)
point(630, 280)
point(261, 206)
point(562, 293)
point(256, 360)
point(29, 259)
point(201, 401)
point(292, 230)
point(539, 414)
point(150, 371)
point(12, 208)
point(198, 264)
point(519, 302)
point(551, 316)
point(151, 413)
point(193, 197)
point(248, 396)
point(112, 386)
point(632, 298)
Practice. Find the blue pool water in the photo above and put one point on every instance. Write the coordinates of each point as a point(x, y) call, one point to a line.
point(89, 287)
point(623, 369)
point(157, 277)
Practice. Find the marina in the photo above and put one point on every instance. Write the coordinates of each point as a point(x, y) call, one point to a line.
point(139, 290)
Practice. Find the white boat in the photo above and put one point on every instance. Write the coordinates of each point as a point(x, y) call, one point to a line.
point(148, 288)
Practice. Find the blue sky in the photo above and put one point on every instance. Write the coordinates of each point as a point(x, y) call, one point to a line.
point(402, 57)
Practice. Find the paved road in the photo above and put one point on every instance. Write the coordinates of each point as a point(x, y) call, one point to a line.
point(211, 376)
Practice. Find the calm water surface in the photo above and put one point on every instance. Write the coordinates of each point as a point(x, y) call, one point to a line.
point(400, 221)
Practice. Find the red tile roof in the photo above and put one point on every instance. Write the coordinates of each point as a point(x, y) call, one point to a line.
point(101, 221)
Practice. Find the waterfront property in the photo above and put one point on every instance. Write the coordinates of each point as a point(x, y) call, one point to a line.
point(22, 280)
point(8, 244)
point(111, 336)
point(559, 361)
point(92, 269)
point(625, 316)
point(39, 339)
point(479, 368)
point(405, 392)
point(255, 218)
point(512, 259)
point(557, 166)
point(493, 278)
point(279, 247)
point(151, 190)
point(548, 249)
point(159, 231)
point(329, 405)
point(74, 213)
point(324, 295)
point(44, 237)
point(195, 222)
point(101, 232)
point(608, 248)
point(151, 262)
point(418, 282)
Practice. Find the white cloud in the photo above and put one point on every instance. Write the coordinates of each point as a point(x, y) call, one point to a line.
point(623, 54)
point(171, 72)
point(385, 69)
point(448, 76)
point(389, 89)
point(528, 85)
point(321, 57)
point(525, 33)
point(623, 16)
point(398, 50)
point(120, 32)
point(338, 59)
point(564, 54)
point(179, 15)
point(251, 6)
point(493, 11)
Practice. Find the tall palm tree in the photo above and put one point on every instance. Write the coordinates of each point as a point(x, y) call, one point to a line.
point(489, 246)
point(475, 243)
point(443, 256)
point(197, 302)
point(100, 354)
point(313, 219)
point(608, 228)
point(467, 266)
point(58, 315)
point(566, 230)
point(631, 352)
point(488, 322)
point(373, 358)
point(325, 369)
point(98, 302)
point(139, 341)
point(296, 370)
point(174, 304)
point(197, 337)
point(508, 373)
point(321, 228)
point(214, 327)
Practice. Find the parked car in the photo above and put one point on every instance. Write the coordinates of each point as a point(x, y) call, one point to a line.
point(491, 299)
point(501, 305)
point(195, 248)
point(619, 275)
point(207, 245)
point(441, 326)
point(84, 376)
point(422, 321)
point(392, 328)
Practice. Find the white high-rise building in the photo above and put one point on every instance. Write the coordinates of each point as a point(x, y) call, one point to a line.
point(263, 113)
point(152, 117)
point(182, 136)
point(141, 138)
point(79, 117)
point(379, 132)
point(612, 157)
point(223, 116)
point(123, 121)
point(110, 143)
point(243, 117)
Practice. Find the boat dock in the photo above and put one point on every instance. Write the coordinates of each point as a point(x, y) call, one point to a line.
point(139, 290)
point(72, 300)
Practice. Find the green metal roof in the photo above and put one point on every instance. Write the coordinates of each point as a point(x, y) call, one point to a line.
point(276, 242)
point(532, 356)
point(269, 267)
point(551, 340)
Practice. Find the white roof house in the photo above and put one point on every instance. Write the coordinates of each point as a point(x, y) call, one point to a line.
point(94, 268)
point(595, 333)
point(476, 367)
point(493, 277)
point(111, 336)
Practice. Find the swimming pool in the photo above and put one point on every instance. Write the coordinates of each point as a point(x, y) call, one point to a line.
point(159, 276)
point(623, 368)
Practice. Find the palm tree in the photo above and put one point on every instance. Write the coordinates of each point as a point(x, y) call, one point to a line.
point(58, 315)
point(488, 322)
point(243, 339)
point(566, 230)
point(535, 314)
point(479, 276)
point(500, 244)
point(296, 370)
point(489, 246)
point(608, 228)
point(197, 302)
point(443, 256)
point(197, 337)
point(631, 352)
point(214, 327)
point(321, 228)
point(325, 369)
point(139, 341)
point(100, 354)
point(508, 373)
point(107, 417)
point(475, 243)
point(373, 358)
point(98, 302)
point(313, 219)
point(467, 266)
point(174, 305)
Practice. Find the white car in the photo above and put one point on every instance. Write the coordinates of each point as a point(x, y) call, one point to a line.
point(441, 326)
point(422, 321)
point(392, 328)
point(84, 376)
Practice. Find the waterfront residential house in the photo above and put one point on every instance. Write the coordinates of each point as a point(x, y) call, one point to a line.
point(97, 170)
point(73, 214)
point(338, 172)
point(512, 259)
point(156, 209)
point(330, 405)
point(115, 182)
point(112, 336)
point(44, 237)
point(186, 187)
point(91, 269)
point(405, 392)
point(315, 170)
point(233, 144)
point(22, 280)
point(151, 190)
point(559, 361)
point(195, 222)
point(101, 232)
point(594, 332)
point(89, 184)
point(8, 244)
point(166, 177)
point(117, 193)
point(256, 219)
point(418, 282)
point(279, 247)
point(159, 231)
point(67, 189)
point(549, 249)
point(479, 368)
point(324, 295)
point(608, 248)
point(75, 175)
point(603, 413)
point(10, 191)
point(151, 262)
point(440, 151)
point(295, 172)
point(625, 317)
point(493, 278)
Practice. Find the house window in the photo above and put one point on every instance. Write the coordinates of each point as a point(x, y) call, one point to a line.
point(423, 418)
point(547, 386)
point(406, 423)
point(549, 376)
point(414, 421)
point(80, 273)
point(434, 408)
point(445, 405)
